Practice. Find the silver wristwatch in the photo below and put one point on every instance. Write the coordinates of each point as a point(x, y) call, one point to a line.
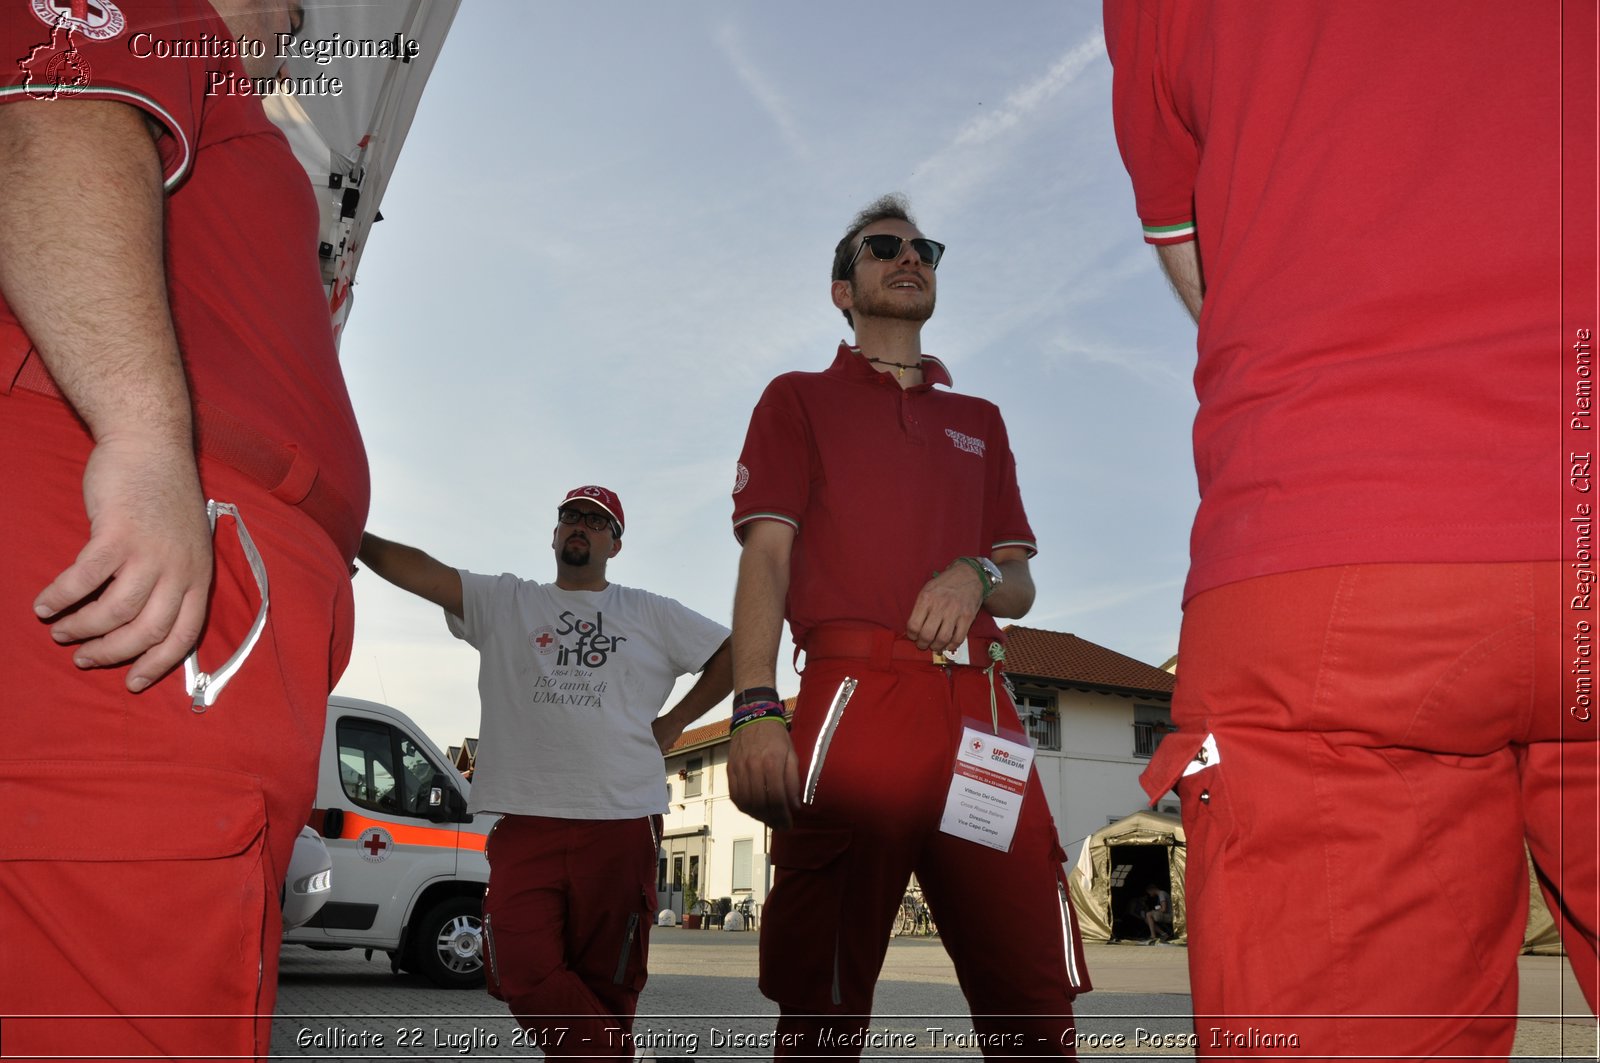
point(996, 577)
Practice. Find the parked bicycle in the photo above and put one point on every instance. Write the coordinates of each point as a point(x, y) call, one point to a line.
point(915, 920)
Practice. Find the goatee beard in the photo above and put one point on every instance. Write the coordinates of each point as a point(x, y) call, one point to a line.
point(575, 552)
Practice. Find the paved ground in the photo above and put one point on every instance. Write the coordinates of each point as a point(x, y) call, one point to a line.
point(702, 1003)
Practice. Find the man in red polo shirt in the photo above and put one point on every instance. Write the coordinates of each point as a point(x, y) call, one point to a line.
point(1361, 204)
point(904, 755)
point(164, 340)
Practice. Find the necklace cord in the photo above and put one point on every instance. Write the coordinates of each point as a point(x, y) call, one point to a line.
point(899, 367)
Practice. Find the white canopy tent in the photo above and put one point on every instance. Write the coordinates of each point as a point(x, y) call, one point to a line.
point(349, 142)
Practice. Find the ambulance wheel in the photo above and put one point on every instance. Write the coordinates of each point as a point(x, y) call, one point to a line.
point(447, 945)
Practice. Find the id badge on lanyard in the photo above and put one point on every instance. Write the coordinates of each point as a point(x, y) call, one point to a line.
point(987, 785)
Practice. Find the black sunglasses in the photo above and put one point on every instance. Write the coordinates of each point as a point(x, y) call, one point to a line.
point(886, 248)
point(594, 521)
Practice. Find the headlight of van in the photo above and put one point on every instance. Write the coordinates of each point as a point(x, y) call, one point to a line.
point(309, 881)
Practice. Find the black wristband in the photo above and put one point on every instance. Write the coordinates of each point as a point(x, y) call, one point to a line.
point(751, 695)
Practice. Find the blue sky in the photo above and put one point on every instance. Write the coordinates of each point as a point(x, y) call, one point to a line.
point(612, 224)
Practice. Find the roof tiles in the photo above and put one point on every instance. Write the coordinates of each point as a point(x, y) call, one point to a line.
point(1067, 658)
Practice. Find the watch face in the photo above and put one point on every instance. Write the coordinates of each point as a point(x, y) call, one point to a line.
point(996, 577)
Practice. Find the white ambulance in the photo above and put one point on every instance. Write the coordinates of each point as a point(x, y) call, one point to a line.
point(408, 866)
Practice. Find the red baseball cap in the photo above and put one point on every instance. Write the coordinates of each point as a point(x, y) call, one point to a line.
point(606, 500)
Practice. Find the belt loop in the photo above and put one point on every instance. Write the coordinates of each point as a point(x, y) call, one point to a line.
point(298, 478)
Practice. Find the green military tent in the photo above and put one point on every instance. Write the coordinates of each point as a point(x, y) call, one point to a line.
point(1115, 865)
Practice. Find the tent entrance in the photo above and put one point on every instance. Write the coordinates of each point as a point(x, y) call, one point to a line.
point(1133, 867)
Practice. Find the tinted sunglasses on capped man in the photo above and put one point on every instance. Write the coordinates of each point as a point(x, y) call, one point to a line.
point(886, 248)
point(594, 521)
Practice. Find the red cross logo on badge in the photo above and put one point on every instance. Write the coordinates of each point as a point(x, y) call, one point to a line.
point(977, 745)
point(376, 845)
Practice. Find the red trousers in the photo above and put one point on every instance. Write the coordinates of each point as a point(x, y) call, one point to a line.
point(1386, 738)
point(144, 845)
point(566, 927)
point(843, 868)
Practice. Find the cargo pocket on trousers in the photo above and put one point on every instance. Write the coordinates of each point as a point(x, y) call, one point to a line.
point(81, 841)
point(1173, 758)
point(803, 918)
point(1209, 820)
point(491, 965)
point(634, 952)
point(631, 971)
point(1077, 967)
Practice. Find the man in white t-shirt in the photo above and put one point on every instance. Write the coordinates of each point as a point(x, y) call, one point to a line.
point(572, 677)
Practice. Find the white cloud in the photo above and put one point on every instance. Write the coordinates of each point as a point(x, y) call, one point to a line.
point(1027, 100)
point(732, 45)
point(1148, 366)
point(985, 145)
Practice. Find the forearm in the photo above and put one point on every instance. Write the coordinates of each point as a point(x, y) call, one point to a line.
point(81, 266)
point(763, 771)
point(714, 684)
point(1181, 264)
point(412, 570)
point(758, 602)
point(1014, 597)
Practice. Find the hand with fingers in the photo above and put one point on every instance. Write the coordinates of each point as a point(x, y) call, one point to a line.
point(945, 608)
point(764, 773)
point(137, 591)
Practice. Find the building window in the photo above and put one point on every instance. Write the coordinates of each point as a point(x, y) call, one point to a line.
point(1150, 725)
point(743, 855)
point(692, 776)
point(1040, 720)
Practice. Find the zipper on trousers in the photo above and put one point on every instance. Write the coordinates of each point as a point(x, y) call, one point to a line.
point(1069, 951)
point(830, 724)
point(488, 951)
point(627, 947)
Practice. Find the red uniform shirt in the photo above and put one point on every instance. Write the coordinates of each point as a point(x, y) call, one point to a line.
point(241, 225)
point(884, 486)
point(1375, 189)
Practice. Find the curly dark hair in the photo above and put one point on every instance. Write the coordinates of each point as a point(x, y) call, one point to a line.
point(894, 205)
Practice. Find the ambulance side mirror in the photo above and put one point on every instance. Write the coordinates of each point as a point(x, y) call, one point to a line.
point(445, 803)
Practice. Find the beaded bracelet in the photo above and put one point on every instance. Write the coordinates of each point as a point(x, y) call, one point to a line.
point(758, 710)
